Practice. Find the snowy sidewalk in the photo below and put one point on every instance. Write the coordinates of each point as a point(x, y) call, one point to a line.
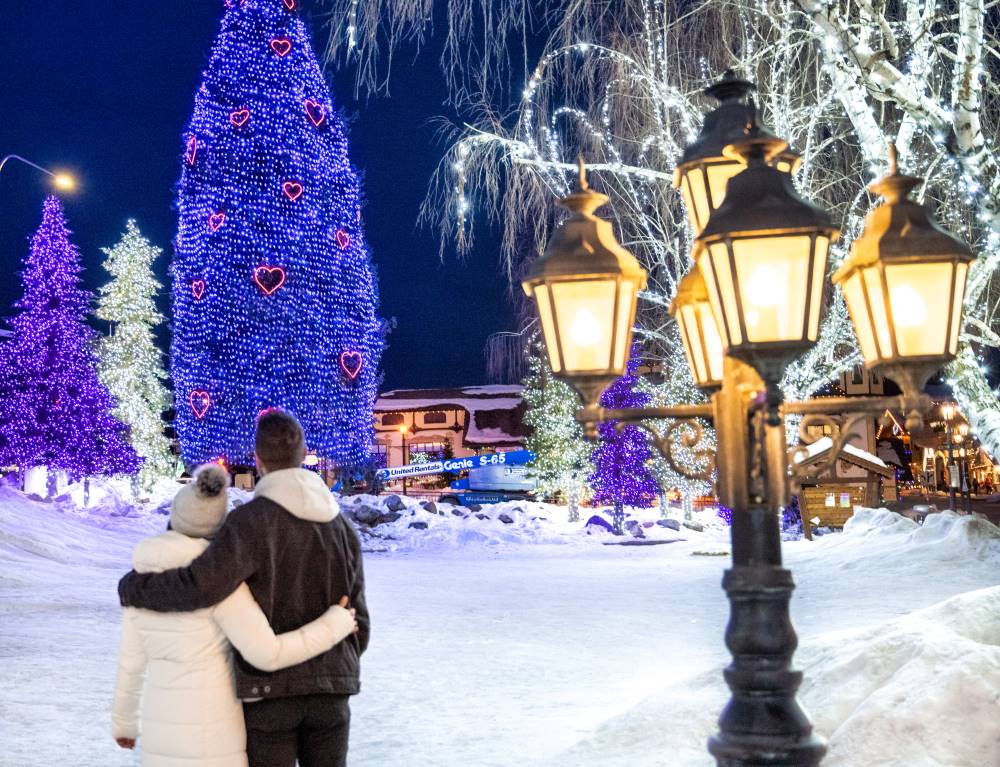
point(544, 654)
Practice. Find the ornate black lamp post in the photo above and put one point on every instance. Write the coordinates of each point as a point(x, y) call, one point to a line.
point(751, 303)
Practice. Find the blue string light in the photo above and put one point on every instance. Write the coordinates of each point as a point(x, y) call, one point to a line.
point(274, 293)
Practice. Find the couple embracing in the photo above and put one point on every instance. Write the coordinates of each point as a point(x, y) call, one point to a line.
point(280, 581)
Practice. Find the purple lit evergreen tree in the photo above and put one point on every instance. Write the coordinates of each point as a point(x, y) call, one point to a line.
point(54, 411)
point(274, 293)
point(621, 477)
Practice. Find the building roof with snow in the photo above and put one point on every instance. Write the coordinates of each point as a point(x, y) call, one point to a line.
point(819, 451)
point(495, 414)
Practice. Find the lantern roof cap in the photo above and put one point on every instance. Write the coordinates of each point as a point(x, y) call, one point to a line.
point(584, 246)
point(724, 124)
point(761, 199)
point(901, 229)
point(691, 288)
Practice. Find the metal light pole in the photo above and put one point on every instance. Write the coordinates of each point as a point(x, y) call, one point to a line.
point(948, 412)
point(752, 303)
point(403, 457)
point(60, 180)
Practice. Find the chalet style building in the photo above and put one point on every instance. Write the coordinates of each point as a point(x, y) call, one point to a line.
point(415, 424)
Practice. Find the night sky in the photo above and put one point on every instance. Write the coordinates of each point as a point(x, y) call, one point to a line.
point(104, 89)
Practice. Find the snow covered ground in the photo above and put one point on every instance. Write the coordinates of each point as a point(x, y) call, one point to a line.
point(532, 643)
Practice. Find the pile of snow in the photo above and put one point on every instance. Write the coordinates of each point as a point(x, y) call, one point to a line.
point(401, 523)
point(920, 690)
point(897, 544)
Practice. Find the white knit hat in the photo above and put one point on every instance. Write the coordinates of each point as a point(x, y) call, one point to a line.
point(200, 506)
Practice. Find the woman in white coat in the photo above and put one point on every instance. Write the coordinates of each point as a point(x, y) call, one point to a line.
point(179, 664)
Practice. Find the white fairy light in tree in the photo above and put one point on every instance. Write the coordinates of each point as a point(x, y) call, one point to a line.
point(131, 365)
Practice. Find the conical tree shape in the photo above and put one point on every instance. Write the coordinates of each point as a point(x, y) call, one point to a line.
point(562, 454)
point(131, 365)
point(274, 293)
point(621, 476)
point(54, 411)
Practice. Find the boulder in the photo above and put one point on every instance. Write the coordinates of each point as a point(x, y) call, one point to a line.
point(599, 522)
point(430, 507)
point(480, 515)
point(365, 515)
point(418, 525)
point(458, 513)
point(671, 524)
point(505, 519)
point(690, 524)
point(473, 507)
point(394, 503)
point(392, 516)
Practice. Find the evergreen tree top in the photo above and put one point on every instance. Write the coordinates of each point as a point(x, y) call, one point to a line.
point(129, 296)
point(52, 269)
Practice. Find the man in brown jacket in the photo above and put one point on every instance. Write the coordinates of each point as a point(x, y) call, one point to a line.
point(298, 556)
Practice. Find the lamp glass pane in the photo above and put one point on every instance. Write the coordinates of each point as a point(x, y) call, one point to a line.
point(773, 274)
point(695, 198)
point(854, 295)
point(822, 245)
point(961, 272)
point(548, 326)
point(920, 301)
point(704, 265)
point(626, 317)
point(719, 174)
point(687, 317)
point(714, 350)
point(872, 277)
point(720, 266)
point(585, 311)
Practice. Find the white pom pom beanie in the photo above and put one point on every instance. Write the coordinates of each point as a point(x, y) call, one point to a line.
point(200, 506)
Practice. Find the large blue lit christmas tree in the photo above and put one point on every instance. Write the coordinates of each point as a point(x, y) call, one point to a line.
point(274, 293)
point(54, 411)
point(621, 477)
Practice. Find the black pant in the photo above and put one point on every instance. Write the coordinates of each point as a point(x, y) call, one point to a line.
point(311, 728)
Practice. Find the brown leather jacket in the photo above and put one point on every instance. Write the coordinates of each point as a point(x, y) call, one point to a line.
point(295, 568)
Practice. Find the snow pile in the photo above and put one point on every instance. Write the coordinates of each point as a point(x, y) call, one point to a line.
point(897, 544)
point(920, 690)
point(400, 523)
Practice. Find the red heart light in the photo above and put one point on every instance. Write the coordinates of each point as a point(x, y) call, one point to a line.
point(343, 239)
point(351, 363)
point(192, 150)
point(198, 289)
point(239, 117)
point(316, 112)
point(216, 220)
point(292, 190)
point(200, 402)
point(281, 45)
point(269, 278)
point(290, 4)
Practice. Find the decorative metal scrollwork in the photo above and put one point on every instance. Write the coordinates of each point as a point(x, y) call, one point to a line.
point(683, 432)
point(843, 432)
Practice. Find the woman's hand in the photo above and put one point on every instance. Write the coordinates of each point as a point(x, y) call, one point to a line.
point(128, 743)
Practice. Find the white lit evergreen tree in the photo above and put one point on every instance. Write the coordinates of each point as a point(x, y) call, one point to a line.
point(562, 455)
point(130, 363)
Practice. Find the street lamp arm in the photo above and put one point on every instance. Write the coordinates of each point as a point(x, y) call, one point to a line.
point(26, 162)
point(866, 405)
point(590, 416)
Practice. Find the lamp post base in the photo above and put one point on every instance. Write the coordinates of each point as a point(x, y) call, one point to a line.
point(763, 724)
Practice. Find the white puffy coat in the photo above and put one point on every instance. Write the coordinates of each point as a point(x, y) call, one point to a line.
point(181, 663)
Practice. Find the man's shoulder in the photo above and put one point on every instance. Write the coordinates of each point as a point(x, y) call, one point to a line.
point(255, 507)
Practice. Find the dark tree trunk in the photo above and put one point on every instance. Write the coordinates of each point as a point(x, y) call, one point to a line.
point(618, 519)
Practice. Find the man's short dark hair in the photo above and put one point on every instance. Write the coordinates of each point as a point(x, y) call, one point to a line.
point(281, 443)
